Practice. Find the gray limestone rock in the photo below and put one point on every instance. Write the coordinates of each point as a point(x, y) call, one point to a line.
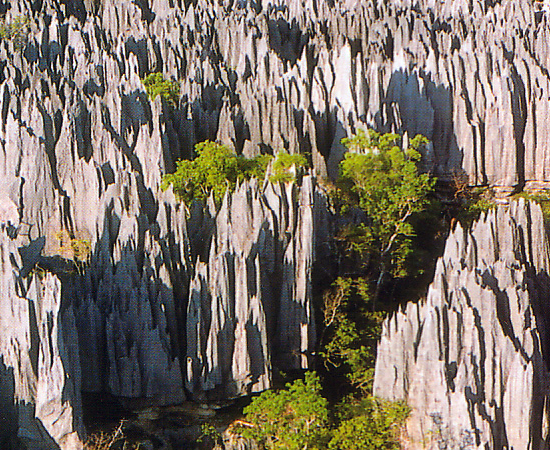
point(250, 303)
point(168, 300)
point(40, 359)
point(471, 360)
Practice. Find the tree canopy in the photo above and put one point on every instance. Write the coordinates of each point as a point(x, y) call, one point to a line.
point(294, 418)
point(217, 169)
point(383, 181)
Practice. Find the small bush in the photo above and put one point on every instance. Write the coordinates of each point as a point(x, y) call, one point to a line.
point(287, 168)
point(16, 31)
point(213, 171)
point(155, 84)
point(369, 424)
point(78, 250)
point(290, 419)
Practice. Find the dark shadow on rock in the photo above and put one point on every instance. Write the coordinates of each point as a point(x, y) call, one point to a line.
point(8, 409)
point(75, 8)
point(286, 39)
point(30, 255)
point(139, 48)
point(146, 13)
point(406, 107)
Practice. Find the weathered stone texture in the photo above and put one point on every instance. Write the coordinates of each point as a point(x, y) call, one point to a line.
point(471, 360)
point(210, 301)
point(40, 369)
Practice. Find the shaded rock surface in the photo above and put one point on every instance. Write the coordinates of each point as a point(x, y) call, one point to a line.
point(472, 359)
point(251, 301)
point(39, 367)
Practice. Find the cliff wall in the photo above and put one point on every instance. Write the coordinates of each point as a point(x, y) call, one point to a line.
point(471, 359)
point(169, 304)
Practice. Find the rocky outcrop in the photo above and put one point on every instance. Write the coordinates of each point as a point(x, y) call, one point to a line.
point(471, 360)
point(40, 366)
point(167, 303)
point(250, 303)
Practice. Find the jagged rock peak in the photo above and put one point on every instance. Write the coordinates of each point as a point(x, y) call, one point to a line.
point(250, 304)
point(41, 404)
point(472, 358)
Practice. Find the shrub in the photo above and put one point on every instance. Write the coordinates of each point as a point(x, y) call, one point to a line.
point(16, 31)
point(287, 168)
point(369, 424)
point(290, 419)
point(213, 171)
point(155, 84)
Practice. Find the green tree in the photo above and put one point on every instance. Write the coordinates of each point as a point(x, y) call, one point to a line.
point(351, 332)
point(155, 84)
point(215, 169)
point(294, 418)
point(383, 180)
point(369, 424)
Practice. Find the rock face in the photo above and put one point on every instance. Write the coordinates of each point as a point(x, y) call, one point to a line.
point(251, 300)
point(39, 366)
point(472, 359)
point(163, 304)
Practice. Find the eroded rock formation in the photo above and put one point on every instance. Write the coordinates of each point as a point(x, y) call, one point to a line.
point(168, 305)
point(39, 359)
point(472, 358)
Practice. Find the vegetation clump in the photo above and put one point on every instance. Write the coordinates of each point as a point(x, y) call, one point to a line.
point(290, 419)
point(383, 181)
point(297, 418)
point(16, 31)
point(385, 204)
point(287, 168)
point(215, 169)
point(75, 248)
point(369, 423)
point(155, 84)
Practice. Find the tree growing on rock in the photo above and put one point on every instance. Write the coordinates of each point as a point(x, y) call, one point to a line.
point(215, 169)
point(383, 181)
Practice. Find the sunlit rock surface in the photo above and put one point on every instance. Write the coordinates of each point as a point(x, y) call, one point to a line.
point(471, 359)
point(170, 304)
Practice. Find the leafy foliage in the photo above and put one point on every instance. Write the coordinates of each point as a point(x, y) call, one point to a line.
point(210, 434)
point(351, 331)
point(155, 84)
point(287, 168)
point(296, 418)
point(383, 181)
point(16, 31)
point(290, 419)
point(213, 171)
point(369, 424)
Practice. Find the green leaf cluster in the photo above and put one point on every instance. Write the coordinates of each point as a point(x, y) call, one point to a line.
point(294, 418)
point(155, 84)
point(16, 31)
point(215, 169)
point(381, 179)
point(369, 424)
point(297, 418)
point(287, 168)
point(351, 332)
